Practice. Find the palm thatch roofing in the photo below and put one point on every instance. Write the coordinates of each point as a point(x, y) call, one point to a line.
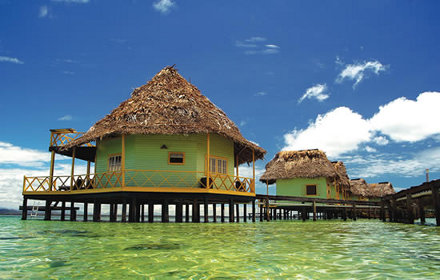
point(168, 104)
point(381, 189)
point(298, 164)
point(359, 187)
point(343, 179)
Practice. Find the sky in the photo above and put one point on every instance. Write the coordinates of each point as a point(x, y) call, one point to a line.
point(357, 79)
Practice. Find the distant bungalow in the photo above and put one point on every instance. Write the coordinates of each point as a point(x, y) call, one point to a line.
point(166, 144)
point(361, 190)
point(306, 173)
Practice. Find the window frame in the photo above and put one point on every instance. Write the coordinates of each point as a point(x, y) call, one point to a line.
point(120, 162)
point(176, 163)
point(217, 159)
point(312, 185)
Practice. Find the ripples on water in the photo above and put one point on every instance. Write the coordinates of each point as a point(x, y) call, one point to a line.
point(364, 249)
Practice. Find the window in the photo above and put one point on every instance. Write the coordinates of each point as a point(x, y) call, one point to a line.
point(311, 190)
point(114, 163)
point(218, 165)
point(176, 158)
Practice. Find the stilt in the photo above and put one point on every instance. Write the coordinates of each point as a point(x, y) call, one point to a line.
point(214, 212)
point(231, 211)
point(409, 210)
point(253, 211)
point(187, 212)
point(132, 211)
point(112, 212)
point(344, 214)
point(393, 210)
point(24, 210)
point(179, 210)
point(96, 211)
point(63, 211)
point(196, 212)
point(137, 212)
point(205, 211)
point(222, 214)
point(85, 212)
point(354, 212)
point(72, 211)
point(421, 212)
point(245, 213)
point(303, 214)
point(237, 206)
point(165, 214)
point(47, 212)
point(124, 211)
point(274, 213)
point(261, 212)
point(314, 210)
point(382, 211)
point(436, 203)
point(267, 210)
point(142, 213)
point(150, 212)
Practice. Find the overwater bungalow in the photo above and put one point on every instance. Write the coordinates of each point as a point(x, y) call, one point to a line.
point(358, 189)
point(378, 190)
point(167, 144)
point(343, 184)
point(305, 173)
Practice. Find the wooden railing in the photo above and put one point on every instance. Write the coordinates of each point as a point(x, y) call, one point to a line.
point(157, 179)
point(64, 137)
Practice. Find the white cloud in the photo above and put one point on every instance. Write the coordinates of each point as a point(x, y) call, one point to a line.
point(10, 154)
point(256, 39)
point(316, 92)
point(342, 130)
point(11, 60)
point(72, 1)
point(65, 118)
point(243, 123)
point(164, 6)
point(336, 132)
point(261, 93)
point(370, 149)
point(245, 45)
point(380, 140)
point(272, 46)
point(409, 120)
point(357, 71)
point(44, 11)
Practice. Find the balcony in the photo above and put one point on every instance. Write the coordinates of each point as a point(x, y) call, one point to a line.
point(140, 181)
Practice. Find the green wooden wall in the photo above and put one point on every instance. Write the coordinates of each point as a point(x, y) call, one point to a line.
point(297, 187)
point(143, 152)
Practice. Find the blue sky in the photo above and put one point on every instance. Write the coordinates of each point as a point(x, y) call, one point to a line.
point(358, 79)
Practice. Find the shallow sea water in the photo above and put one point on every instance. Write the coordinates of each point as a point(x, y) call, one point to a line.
point(364, 249)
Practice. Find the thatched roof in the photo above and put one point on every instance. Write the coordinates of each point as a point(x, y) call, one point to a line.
point(359, 187)
point(342, 174)
point(298, 164)
point(168, 104)
point(380, 189)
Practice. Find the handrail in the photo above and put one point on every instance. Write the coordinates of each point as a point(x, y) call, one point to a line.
point(58, 139)
point(140, 178)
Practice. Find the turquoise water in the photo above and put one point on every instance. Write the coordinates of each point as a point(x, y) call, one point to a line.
point(365, 249)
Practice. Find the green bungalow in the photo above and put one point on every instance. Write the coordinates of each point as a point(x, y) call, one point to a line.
point(306, 173)
point(166, 144)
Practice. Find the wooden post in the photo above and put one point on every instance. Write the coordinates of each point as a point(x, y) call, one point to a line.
point(409, 209)
point(187, 212)
point(112, 212)
point(237, 206)
point(253, 170)
point(393, 210)
point(165, 214)
point(72, 171)
point(85, 212)
point(124, 211)
point(231, 211)
point(253, 211)
point(214, 212)
point(52, 167)
point(267, 210)
point(245, 212)
point(47, 211)
point(314, 210)
point(142, 212)
point(344, 215)
point(150, 212)
point(96, 211)
point(274, 215)
point(304, 211)
point(123, 160)
point(132, 211)
point(382, 211)
point(205, 211)
point(72, 211)
point(421, 212)
point(179, 210)
point(24, 210)
point(436, 203)
point(195, 212)
point(222, 214)
point(354, 212)
point(63, 211)
point(261, 212)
